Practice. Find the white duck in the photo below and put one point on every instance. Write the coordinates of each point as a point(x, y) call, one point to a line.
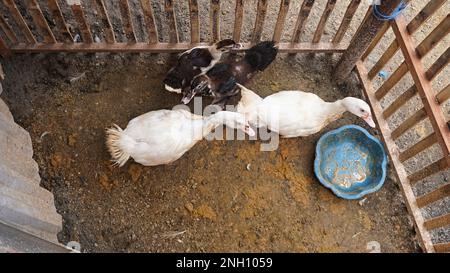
point(297, 113)
point(163, 136)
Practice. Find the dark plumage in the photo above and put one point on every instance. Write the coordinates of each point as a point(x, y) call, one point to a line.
point(195, 61)
point(220, 81)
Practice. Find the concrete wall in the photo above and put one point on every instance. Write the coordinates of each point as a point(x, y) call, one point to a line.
point(23, 203)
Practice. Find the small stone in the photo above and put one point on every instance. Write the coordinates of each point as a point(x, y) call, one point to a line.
point(71, 140)
point(189, 207)
point(248, 167)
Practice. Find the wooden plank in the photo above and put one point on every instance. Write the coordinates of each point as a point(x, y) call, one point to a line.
point(82, 23)
point(127, 21)
point(382, 61)
point(438, 65)
point(259, 22)
point(433, 196)
point(165, 47)
point(375, 40)
point(443, 95)
point(150, 22)
point(238, 19)
point(38, 18)
point(215, 20)
point(19, 20)
point(434, 37)
point(59, 20)
point(195, 26)
point(6, 28)
point(303, 15)
point(361, 41)
point(409, 123)
point(172, 21)
point(442, 248)
point(418, 147)
point(348, 16)
point(430, 8)
point(400, 101)
point(437, 222)
point(392, 81)
point(103, 14)
point(392, 149)
point(323, 20)
point(423, 86)
point(279, 26)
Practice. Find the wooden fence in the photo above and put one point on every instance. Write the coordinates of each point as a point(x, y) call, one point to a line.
point(44, 41)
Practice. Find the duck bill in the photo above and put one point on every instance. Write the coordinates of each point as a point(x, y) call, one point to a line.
point(187, 98)
point(249, 131)
point(368, 119)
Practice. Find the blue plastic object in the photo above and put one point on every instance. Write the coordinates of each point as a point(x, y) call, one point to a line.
point(383, 74)
point(383, 17)
point(350, 162)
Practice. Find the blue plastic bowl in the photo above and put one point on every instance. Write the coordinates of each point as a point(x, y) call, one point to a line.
point(350, 162)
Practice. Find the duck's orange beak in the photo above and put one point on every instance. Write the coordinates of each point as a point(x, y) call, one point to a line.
point(368, 119)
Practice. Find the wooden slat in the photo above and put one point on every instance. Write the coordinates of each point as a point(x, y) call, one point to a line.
point(215, 20)
point(348, 16)
point(323, 20)
point(59, 20)
point(382, 61)
point(165, 47)
point(438, 65)
point(434, 37)
point(424, 88)
point(279, 26)
point(195, 26)
point(437, 222)
point(39, 20)
point(259, 22)
point(443, 95)
point(150, 22)
point(238, 19)
point(418, 147)
point(430, 8)
point(433, 196)
point(398, 102)
point(392, 149)
point(442, 247)
point(375, 40)
point(392, 81)
point(171, 19)
point(82, 23)
point(303, 15)
point(127, 21)
point(20, 21)
point(103, 14)
point(409, 123)
point(6, 28)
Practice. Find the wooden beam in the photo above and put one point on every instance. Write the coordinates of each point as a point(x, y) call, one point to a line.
point(279, 26)
point(127, 21)
point(172, 21)
point(392, 149)
point(442, 247)
point(6, 28)
point(409, 123)
point(238, 19)
point(361, 41)
point(375, 40)
point(303, 15)
point(164, 47)
point(400, 101)
point(437, 222)
point(19, 20)
point(434, 37)
point(443, 95)
point(39, 19)
point(348, 16)
point(150, 22)
point(418, 147)
point(82, 23)
point(423, 86)
point(438, 65)
point(195, 26)
point(215, 20)
point(323, 20)
point(103, 14)
point(392, 81)
point(59, 20)
point(433, 196)
point(259, 22)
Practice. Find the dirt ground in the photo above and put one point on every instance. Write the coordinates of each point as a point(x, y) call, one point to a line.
point(221, 195)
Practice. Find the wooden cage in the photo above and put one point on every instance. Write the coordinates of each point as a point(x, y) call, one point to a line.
point(36, 35)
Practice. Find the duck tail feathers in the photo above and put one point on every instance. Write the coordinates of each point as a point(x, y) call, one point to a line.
point(119, 145)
